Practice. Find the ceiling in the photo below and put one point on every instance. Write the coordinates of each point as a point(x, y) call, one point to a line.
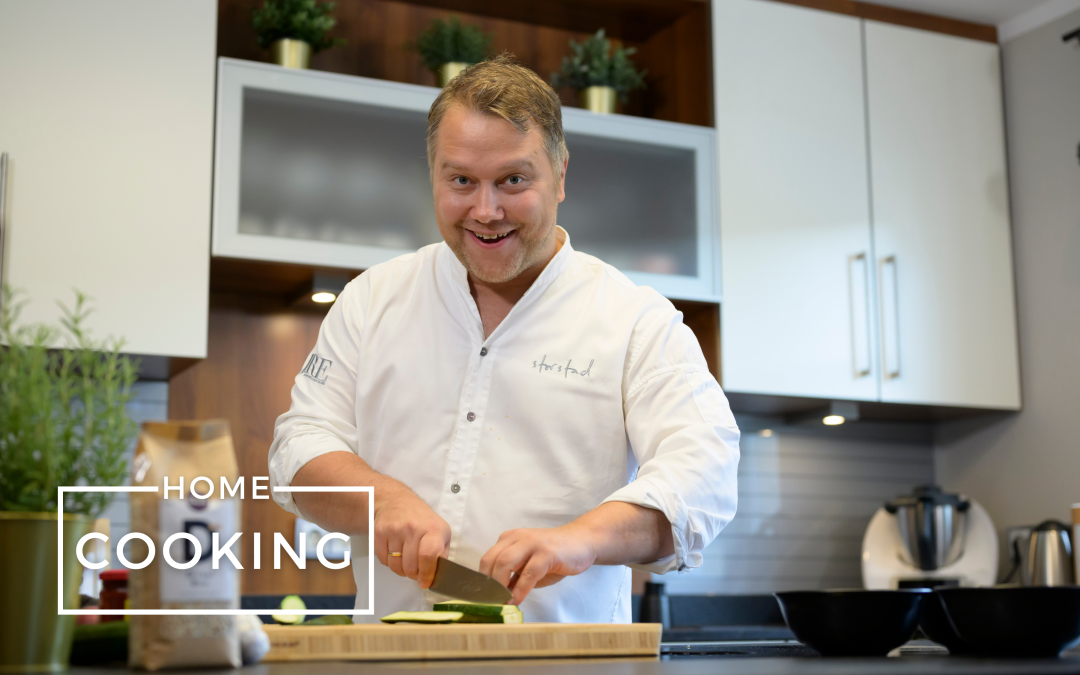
point(992, 12)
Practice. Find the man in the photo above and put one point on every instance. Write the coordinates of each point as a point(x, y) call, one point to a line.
point(518, 407)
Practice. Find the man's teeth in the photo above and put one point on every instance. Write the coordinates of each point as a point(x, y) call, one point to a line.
point(490, 237)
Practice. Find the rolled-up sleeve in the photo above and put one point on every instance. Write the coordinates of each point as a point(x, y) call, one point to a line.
point(684, 437)
point(322, 417)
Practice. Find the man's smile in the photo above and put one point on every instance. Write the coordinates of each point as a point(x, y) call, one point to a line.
point(492, 240)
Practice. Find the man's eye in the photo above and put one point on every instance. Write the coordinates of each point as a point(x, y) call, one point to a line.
point(514, 180)
point(461, 180)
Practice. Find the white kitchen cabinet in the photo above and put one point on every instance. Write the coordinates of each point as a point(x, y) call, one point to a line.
point(864, 216)
point(330, 170)
point(794, 202)
point(107, 119)
point(941, 219)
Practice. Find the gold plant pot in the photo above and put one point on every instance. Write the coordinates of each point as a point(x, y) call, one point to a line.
point(291, 53)
point(598, 99)
point(33, 637)
point(449, 71)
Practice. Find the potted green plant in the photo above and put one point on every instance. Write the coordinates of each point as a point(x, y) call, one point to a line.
point(62, 423)
point(293, 30)
point(449, 47)
point(599, 73)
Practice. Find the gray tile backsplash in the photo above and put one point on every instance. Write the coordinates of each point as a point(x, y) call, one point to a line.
point(805, 499)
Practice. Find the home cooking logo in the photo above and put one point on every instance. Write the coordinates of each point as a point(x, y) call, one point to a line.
point(199, 543)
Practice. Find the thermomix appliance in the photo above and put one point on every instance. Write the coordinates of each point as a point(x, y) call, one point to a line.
point(930, 538)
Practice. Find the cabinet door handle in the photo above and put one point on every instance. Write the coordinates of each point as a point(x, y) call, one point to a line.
point(860, 366)
point(890, 364)
point(3, 214)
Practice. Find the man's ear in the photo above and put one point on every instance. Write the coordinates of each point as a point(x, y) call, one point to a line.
point(562, 180)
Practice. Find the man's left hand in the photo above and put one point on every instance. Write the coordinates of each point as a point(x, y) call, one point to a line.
point(538, 557)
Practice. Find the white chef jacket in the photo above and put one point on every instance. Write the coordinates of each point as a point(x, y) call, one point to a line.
point(590, 390)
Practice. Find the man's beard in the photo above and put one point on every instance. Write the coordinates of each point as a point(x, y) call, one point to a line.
point(528, 253)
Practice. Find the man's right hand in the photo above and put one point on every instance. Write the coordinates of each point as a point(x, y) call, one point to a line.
point(404, 523)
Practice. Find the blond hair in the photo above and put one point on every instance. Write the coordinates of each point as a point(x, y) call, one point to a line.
point(502, 87)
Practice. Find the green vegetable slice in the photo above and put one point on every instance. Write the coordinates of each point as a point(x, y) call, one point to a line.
point(97, 631)
point(476, 612)
point(422, 617)
point(479, 608)
point(290, 602)
point(329, 620)
point(480, 618)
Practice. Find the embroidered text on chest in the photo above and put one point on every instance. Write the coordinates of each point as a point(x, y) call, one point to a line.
point(542, 366)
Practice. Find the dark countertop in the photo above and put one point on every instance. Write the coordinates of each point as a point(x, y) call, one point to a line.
point(670, 665)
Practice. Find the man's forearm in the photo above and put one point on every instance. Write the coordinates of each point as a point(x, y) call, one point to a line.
point(345, 512)
point(625, 534)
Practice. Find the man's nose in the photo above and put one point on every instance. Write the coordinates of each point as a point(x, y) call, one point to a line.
point(486, 208)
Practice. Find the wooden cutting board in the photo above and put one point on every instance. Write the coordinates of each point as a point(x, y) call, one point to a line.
point(386, 642)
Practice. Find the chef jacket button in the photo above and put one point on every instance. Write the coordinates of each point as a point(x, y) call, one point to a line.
point(470, 416)
point(455, 488)
point(483, 351)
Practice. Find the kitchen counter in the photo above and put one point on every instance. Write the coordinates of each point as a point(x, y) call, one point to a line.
point(667, 665)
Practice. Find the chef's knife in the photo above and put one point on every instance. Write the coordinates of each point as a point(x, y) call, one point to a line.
point(463, 583)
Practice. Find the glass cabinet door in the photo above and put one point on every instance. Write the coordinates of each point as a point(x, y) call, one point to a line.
point(632, 205)
point(331, 170)
point(316, 169)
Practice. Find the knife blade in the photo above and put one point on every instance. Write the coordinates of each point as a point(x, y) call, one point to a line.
point(462, 583)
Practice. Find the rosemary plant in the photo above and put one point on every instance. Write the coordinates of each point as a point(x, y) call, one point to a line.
point(62, 411)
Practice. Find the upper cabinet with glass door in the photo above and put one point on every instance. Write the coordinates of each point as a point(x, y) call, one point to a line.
point(331, 170)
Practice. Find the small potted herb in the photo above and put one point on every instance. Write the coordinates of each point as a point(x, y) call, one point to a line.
point(63, 422)
point(599, 73)
point(293, 30)
point(449, 47)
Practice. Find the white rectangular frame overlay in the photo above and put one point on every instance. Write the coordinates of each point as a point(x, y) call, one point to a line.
point(369, 611)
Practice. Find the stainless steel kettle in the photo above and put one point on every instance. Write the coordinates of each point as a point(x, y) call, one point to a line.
point(932, 526)
point(1047, 558)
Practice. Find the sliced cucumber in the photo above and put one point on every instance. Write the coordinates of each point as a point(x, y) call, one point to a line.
point(422, 617)
point(476, 612)
point(476, 608)
point(480, 618)
point(290, 602)
point(329, 620)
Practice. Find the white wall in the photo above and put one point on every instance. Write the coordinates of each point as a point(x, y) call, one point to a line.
point(1025, 468)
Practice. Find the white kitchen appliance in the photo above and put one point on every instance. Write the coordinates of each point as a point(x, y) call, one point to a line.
point(930, 538)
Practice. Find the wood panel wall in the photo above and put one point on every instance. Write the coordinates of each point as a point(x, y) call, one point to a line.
point(677, 55)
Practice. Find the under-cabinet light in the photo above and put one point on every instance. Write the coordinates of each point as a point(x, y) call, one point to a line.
point(323, 297)
point(832, 420)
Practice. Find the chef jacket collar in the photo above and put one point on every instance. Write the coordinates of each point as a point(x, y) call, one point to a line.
point(459, 279)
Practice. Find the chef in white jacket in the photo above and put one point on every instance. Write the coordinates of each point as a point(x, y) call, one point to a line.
point(519, 407)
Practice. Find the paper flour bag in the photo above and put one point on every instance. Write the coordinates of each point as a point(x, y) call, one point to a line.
point(187, 450)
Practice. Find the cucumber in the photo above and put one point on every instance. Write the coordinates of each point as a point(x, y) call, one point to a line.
point(290, 602)
point(329, 620)
point(100, 643)
point(97, 631)
point(476, 608)
point(480, 618)
point(422, 617)
point(476, 612)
